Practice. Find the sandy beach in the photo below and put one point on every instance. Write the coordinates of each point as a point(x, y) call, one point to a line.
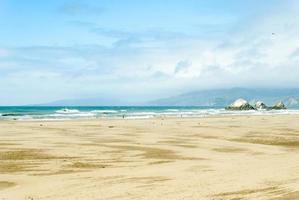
point(232, 157)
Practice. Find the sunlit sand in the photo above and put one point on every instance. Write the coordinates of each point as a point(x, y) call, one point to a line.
point(233, 157)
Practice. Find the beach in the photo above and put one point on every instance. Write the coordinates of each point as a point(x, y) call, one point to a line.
point(215, 157)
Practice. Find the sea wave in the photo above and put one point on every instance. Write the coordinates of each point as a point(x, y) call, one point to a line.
point(72, 115)
point(135, 113)
point(104, 111)
point(140, 117)
point(11, 114)
point(67, 111)
point(172, 110)
point(144, 113)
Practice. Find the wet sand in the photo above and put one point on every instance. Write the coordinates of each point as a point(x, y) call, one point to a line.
point(233, 157)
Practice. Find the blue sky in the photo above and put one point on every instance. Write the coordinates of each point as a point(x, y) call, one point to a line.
point(141, 50)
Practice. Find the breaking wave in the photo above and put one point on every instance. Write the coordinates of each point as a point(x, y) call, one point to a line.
point(40, 113)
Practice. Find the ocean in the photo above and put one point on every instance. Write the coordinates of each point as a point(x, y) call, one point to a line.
point(120, 112)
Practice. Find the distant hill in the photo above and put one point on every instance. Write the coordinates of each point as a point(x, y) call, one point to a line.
point(84, 102)
point(223, 97)
point(217, 97)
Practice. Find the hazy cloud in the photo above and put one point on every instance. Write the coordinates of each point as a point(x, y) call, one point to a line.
point(80, 8)
point(182, 66)
point(142, 61)
point(295, 54)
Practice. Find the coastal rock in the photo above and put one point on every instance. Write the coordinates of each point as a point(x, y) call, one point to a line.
point(240, 104)
point(279, 106)
point(260, 105)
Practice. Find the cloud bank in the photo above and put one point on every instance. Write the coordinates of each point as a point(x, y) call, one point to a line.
point(139, 63)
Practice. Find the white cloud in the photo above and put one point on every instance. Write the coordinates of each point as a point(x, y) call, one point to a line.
point(250, 55)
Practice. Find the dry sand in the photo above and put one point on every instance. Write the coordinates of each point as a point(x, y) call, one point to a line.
point(237, 157)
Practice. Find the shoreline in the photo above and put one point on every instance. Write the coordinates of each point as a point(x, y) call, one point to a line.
point(149, 118)
point(131, 113)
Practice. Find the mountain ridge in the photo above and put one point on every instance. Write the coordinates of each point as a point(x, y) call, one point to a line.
point(223, 97)
point(213, 97)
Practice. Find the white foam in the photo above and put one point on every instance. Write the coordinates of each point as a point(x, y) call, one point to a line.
point(67, 111)
point(72, 115)
point(144, 113)
point(139, 117)
point(172, 110)
point(104, 111)
point(22, 118)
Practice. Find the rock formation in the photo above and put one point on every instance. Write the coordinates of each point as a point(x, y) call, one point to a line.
point(279, 106)
point(240, 104)
point(260, 105)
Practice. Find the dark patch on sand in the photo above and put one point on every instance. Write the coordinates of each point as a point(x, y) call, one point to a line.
point(243, 193)
point(49, 173)
point(288, 196)
point(178, 142)
point(270, 140)
point(230, 150)
point(22, 160)
point(7, 167)
point(202, 136)
point(6, 184)
point(159, 162)
point(85, 165)
point(186, 145)
point(112, 140)
point(24, 154)
point(152, 153)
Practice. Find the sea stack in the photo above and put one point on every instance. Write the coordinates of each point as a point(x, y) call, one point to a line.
point(240, 104)
point(279, 106)
point(260, 105)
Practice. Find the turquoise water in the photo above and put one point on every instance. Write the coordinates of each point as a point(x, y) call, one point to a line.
point(127, 112)
point(71, 112)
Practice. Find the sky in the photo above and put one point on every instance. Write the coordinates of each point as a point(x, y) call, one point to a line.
point(140, 50)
